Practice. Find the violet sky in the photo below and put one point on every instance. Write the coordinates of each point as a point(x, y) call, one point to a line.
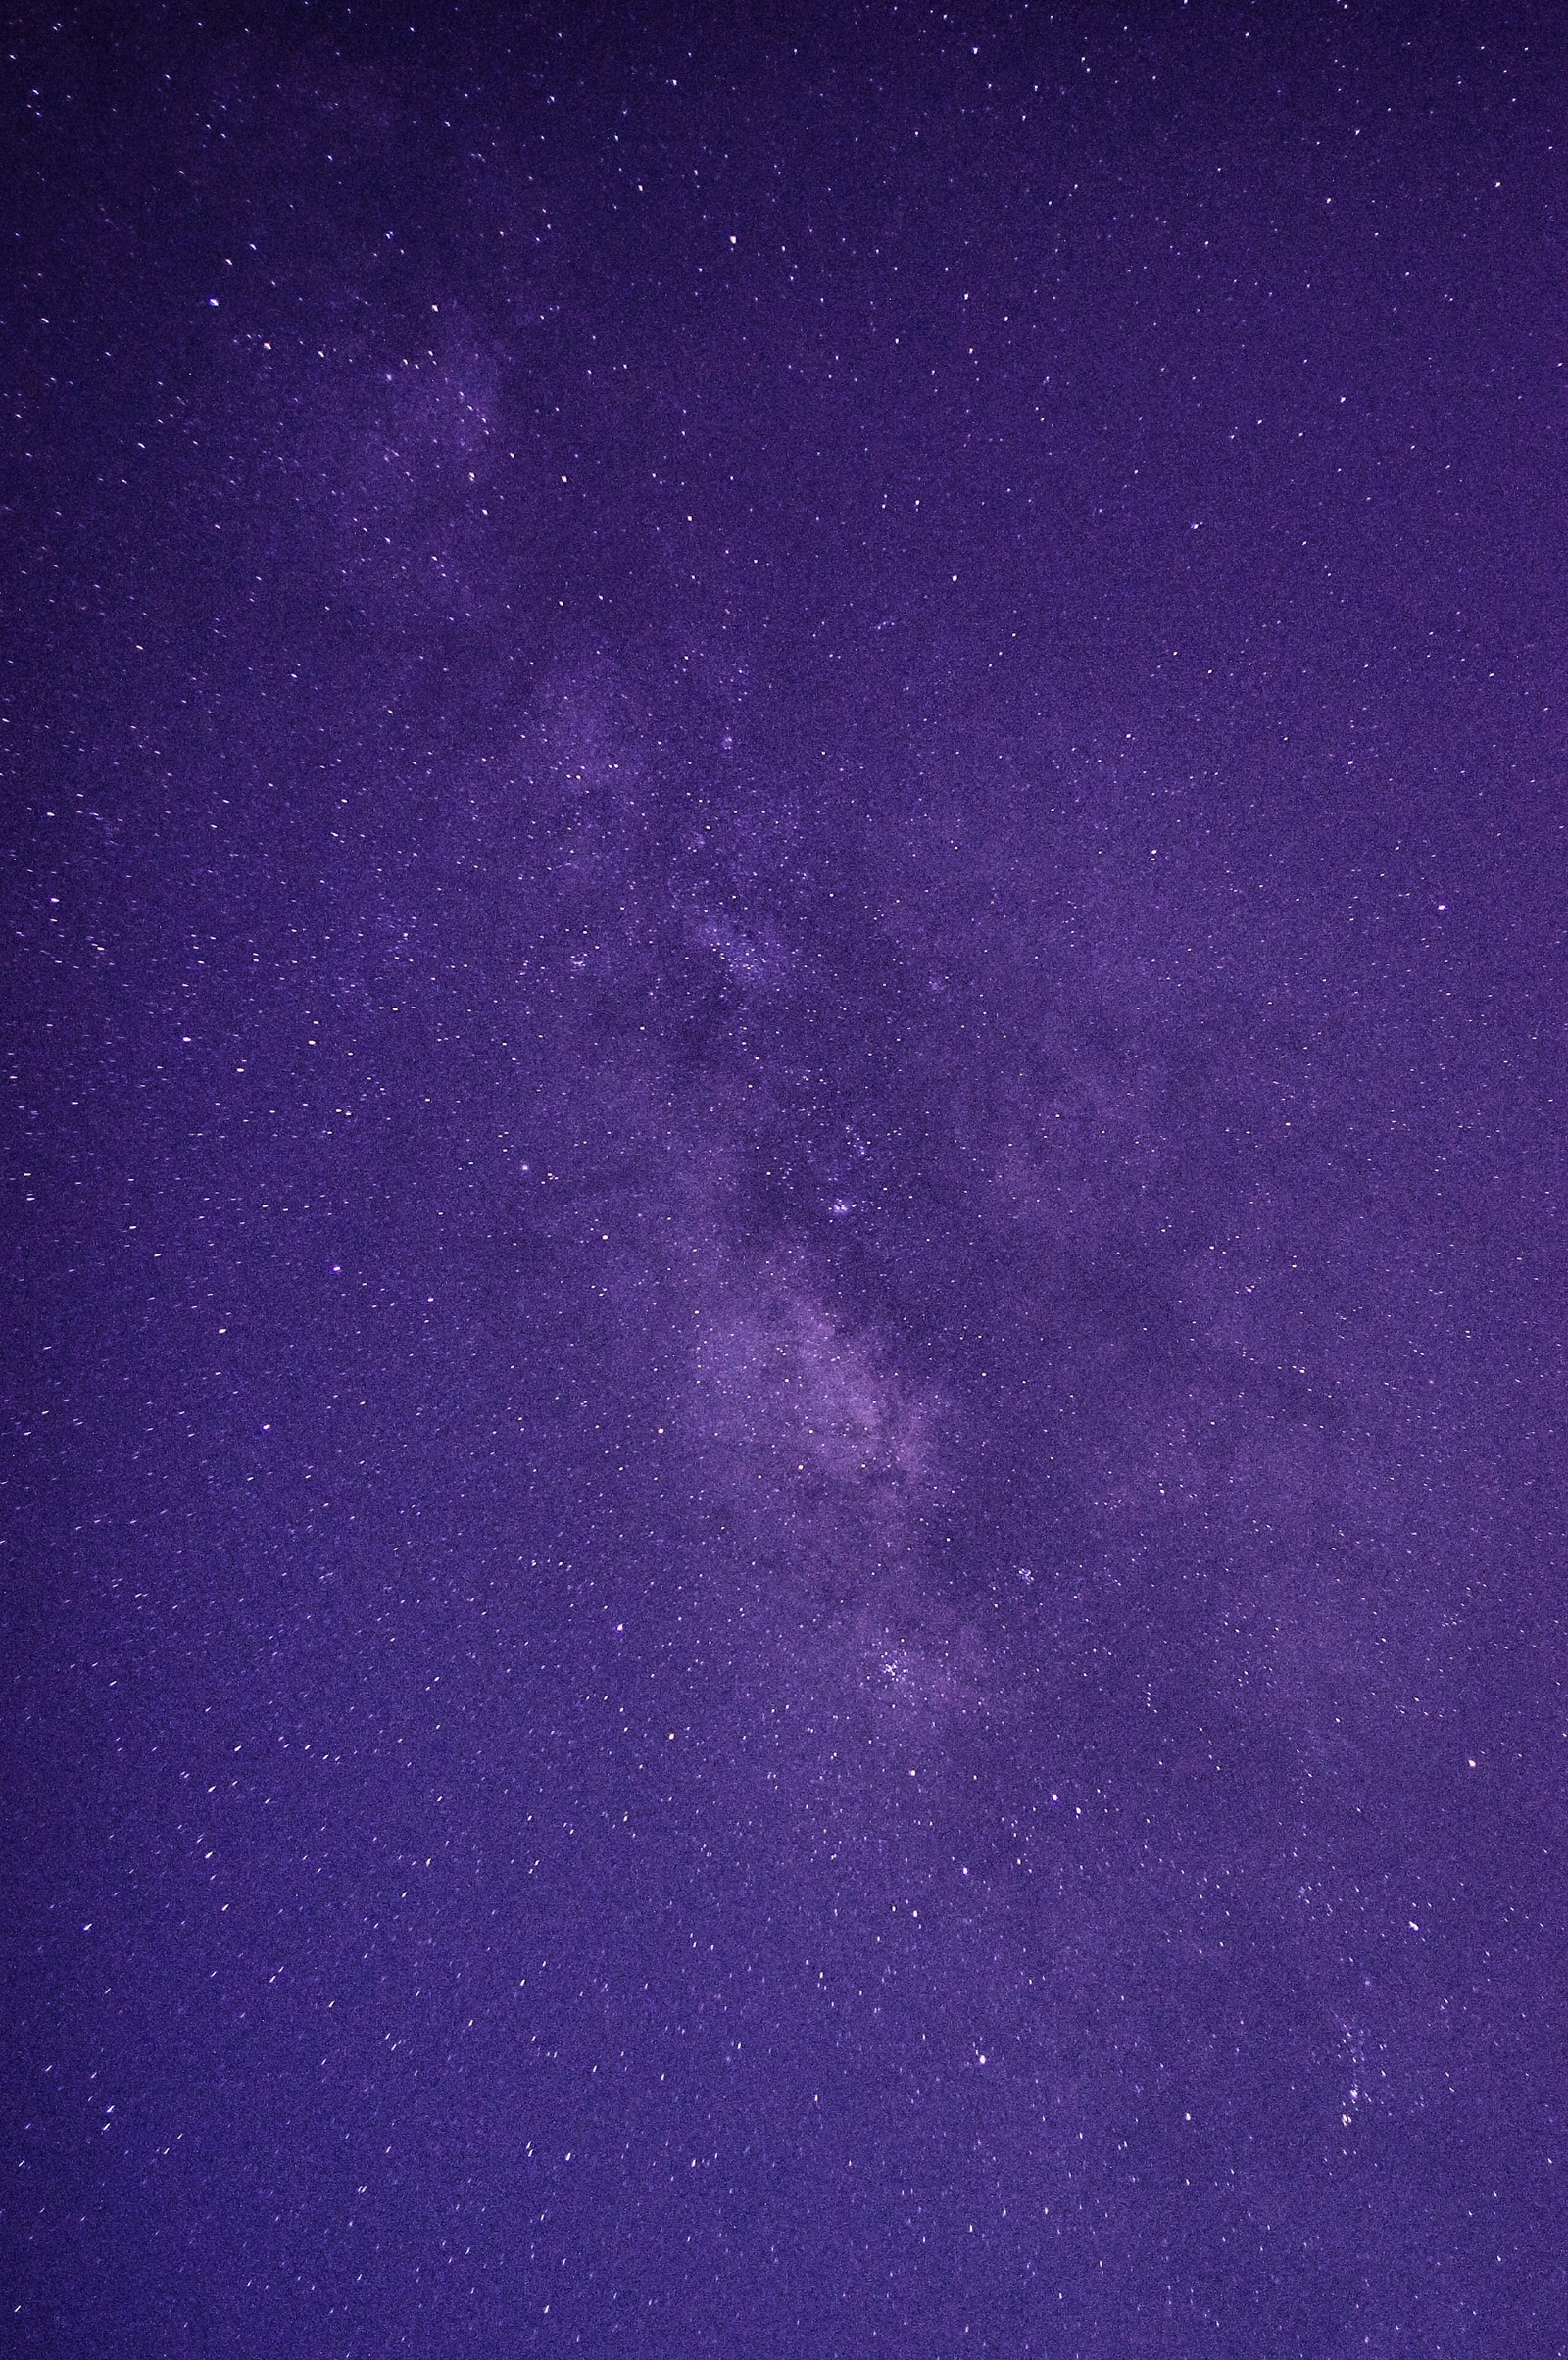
point(786, 854)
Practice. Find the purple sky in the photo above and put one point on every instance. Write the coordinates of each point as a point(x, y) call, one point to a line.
point(786, 842)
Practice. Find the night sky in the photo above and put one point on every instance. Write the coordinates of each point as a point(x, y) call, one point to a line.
point(786, 863)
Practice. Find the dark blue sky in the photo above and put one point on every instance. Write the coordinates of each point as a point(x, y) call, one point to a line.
point(786, 860)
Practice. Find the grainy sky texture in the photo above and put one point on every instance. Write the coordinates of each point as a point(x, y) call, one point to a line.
point(786, 861)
